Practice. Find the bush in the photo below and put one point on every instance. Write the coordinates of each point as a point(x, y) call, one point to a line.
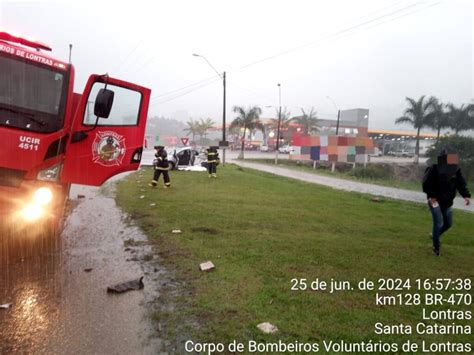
point(373, 171)
point(463, 145)
point(465, 148)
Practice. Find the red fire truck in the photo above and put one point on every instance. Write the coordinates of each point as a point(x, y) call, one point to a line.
point(52, 137)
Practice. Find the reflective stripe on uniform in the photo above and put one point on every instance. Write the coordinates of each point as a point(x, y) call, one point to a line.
point(160, 168)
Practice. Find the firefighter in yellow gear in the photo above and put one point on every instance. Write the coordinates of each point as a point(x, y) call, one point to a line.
point(212, 160)
point(161, 166)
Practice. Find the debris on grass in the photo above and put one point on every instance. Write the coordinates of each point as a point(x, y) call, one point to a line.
point(88, 269)
point(176, 231)
point(81, 196)
point(147, 257)
point(129, 242)
point(207, 266)
point(5, 306)
point(136, 284)
point(152, 204)
point(142, 196)
point(267, 328)
point(376, 199)
point(207, 230)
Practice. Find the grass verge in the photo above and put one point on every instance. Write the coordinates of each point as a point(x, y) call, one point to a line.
point(377, 169)
point(262, 231)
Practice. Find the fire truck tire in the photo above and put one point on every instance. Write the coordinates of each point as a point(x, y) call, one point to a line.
point(49, 239)
point(60, 214)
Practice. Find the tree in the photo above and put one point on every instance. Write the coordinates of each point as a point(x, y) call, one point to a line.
point(205, 125)
point(419, 114)
point(309, 121)
point(285, 119)
point(439, 117)
point(273, 122)
point(461, 118)
point(246, 119)
point(192, 128)
point(463, 145)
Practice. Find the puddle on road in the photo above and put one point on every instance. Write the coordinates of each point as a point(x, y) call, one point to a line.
point(60, 308)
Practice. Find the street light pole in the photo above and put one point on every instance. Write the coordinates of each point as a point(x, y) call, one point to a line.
point(333, 165)
point(222, 76)
point(338, 113)
point(223, 125)
point(279, 123)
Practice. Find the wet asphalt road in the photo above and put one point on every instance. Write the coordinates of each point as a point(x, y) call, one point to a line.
point(58, 308)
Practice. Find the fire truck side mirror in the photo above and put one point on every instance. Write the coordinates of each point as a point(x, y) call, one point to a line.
point(103, 103)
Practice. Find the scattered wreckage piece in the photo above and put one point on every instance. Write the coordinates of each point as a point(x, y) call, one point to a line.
point(267, 328)
point(207, 266)
point(136, 284)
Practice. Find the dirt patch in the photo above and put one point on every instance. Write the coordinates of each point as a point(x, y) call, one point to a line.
point(206, 230)
point(135, 243)
point(137, 215)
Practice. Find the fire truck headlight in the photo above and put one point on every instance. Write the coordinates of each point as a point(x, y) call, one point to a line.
point(43, 196)
point(32, 212)
point(50, 174)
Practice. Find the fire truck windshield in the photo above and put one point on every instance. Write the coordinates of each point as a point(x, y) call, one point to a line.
point(32, 97)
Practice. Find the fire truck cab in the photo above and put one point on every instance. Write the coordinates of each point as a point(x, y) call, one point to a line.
point(52, 137)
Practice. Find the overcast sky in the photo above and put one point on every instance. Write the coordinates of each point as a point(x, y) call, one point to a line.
point(317, 49)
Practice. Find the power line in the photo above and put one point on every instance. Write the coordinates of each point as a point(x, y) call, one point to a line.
point(213, 78)
point(178, 95)
point(251, 91)
point(343, 31)
point(128, 55)
point(339, 34)
point(409, 13)
point(346, 32)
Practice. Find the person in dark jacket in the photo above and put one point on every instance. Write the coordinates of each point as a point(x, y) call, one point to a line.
point(161, 166)
point(440, 183)
point(212, 159)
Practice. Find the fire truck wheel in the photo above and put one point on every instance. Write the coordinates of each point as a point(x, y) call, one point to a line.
point(20, 239)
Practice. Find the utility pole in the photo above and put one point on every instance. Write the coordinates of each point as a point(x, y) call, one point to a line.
point(333, 165)
point(223, 112)
point(70, 52)
point(279, 123)
point(223, 125)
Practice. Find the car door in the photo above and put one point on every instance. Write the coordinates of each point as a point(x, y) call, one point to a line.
point(100, 148)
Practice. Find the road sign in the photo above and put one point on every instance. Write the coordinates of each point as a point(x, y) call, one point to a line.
point(185, 140)
point(223, 144)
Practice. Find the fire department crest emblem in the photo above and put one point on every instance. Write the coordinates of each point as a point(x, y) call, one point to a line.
point(108, 148)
